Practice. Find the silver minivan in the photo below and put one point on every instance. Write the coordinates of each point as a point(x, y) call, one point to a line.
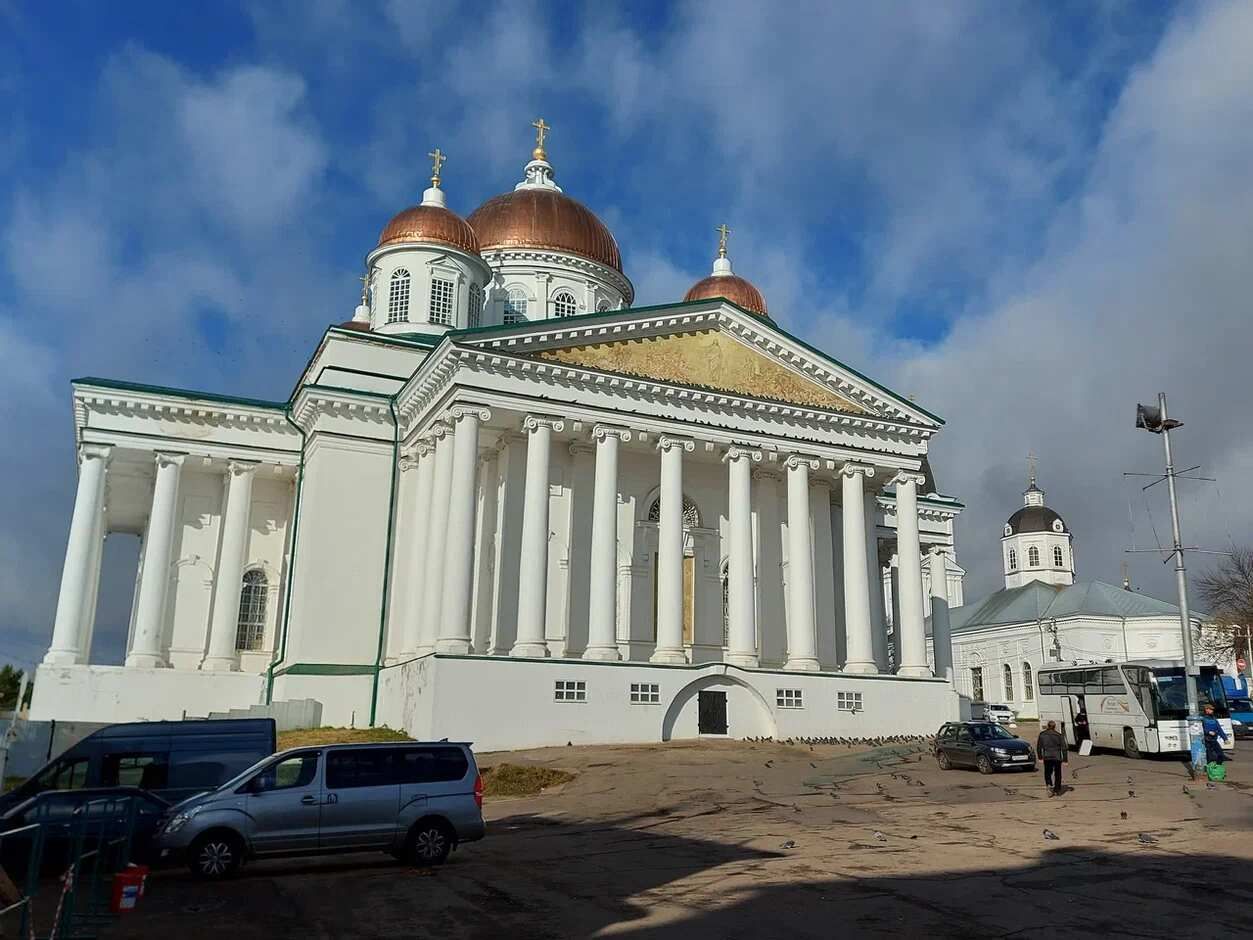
point(414, 800)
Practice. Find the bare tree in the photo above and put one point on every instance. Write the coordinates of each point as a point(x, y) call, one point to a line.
point(1227, 593)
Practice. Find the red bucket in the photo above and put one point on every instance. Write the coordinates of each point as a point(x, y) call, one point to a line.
point(128, 888)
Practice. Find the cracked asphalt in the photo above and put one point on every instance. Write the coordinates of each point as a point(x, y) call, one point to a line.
point(729, 839)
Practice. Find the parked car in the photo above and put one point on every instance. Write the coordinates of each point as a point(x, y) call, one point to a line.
point(171, 759)
point(416, 801)
point(68, 816)
point(999, 713)
point(1241, 717)
point(984, 745)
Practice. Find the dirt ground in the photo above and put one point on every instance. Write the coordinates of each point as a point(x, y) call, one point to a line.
point(725, 839)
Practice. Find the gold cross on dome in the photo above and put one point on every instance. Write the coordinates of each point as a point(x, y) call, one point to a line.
point(723, 232)
point(541, 130)
point(438, 158)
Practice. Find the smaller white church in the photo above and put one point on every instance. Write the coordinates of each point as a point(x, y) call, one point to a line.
point(1044, 616)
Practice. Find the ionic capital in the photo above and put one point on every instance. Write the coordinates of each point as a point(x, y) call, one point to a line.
point(239, 468)
point(457, 412)
point(407, 461)
point(422, 447)
point(736, 452)
point(853, 469)
point(95, 451)
point(602, 431)
point(800, 460)
point(668, 441)
point(907, 476)
point(532, 423)
point(163, 459)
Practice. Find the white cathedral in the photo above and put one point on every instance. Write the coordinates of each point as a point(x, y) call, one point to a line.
point(502, 505)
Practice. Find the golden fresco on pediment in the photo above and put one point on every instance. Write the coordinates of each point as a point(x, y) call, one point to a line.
point(708, 359)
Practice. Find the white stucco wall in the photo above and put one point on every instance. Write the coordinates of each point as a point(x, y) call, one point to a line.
point(120, 693)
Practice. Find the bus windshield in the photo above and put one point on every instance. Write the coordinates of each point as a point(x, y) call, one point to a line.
point(1171, 692)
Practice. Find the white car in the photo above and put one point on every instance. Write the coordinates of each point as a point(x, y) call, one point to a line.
point(1002, 714)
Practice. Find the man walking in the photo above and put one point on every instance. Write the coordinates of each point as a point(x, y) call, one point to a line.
point(1051, 747)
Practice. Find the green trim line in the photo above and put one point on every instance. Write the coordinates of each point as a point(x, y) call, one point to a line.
point(177, 392)
point(385, 606)
point(366, 372)
point(327, 669)
point(399, 339)
point(281, 650)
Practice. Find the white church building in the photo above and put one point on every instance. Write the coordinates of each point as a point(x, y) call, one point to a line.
point(1043, 616)
point(503, 505)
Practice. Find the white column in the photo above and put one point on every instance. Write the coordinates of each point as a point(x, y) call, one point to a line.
point(88, 628)
point(228, 575)
point(602, 605)
point(415, 577)
point(859, 642)
point(941, 632)
point(825, 618)
point(533, 560)
point(436, 553)
point(669, 648)
point(145, 648)
point(802, 641)
point(913, 642)
point(76, 574)
point(742, 606)
point(454, 621)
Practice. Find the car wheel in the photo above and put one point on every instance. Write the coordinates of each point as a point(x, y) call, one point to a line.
point(429, 843)
point(216, 855)
point(984, 763)
point(944, 762)
point(1129, 746)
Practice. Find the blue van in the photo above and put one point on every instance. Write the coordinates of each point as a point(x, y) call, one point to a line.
point(171, 759)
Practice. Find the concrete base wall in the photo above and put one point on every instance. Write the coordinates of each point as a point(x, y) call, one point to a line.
point(118, 693)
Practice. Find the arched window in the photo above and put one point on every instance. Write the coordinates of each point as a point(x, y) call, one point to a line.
point(1028, 685)
point(398, 297)
point(691, 515)
point(1033, 557)
point(515, 305)
point(1008, 675)
point(442, 293)
point(1059, 560)
point(476, 306)
point(726, 603)
point(250, 631)
point(564, 305)
point(602, 307)
point(1013, 560)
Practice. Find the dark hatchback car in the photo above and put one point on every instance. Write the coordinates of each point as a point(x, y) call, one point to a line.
point(984, 745)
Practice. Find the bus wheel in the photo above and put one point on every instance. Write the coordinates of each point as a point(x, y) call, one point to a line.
point(1129, 746)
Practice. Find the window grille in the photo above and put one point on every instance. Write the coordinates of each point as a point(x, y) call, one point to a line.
point(567, 690)
point(1013, 560)
point(848, 701)
point(645, 693)
point(1028, 687)
point(441, 301)
point(602, 307)
point(976, 683)
point(476, 306)
point(1033, 557)
point(1059, 560)
point(1008, 674)
point(250, 628)
point(691, 515)
point(789, 698)
point(564, 305)
point(398, 297)
point(726, 604)
point(515, 305)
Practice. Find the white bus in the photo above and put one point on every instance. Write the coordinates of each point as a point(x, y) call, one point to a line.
point(1138, 707)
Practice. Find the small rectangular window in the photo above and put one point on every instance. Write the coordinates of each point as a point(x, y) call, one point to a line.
point(848, 701)
point(570, 690)
point(645, 693)
point(441, 301)
point(789, 698)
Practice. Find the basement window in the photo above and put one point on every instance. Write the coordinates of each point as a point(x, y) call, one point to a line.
point(570, 690)
point(789, 698)
point(848, 701)
point(645, 693)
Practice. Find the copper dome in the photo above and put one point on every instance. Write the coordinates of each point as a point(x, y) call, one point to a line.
point(430, 223)
point(544, 218)
point(732, 287)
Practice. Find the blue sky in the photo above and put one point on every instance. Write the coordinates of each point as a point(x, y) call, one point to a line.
point(1026, 215)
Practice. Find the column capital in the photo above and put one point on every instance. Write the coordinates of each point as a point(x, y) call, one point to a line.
point(95, 451)
point(937, 550)
point(736, 452)
point(421, 448)
point(602, 431)
point(457, 412)
point(851, 469)
point(801, 460)
point(408, 461)
point(164, 459)
point(236, 468)
point(907, 476)
point(667, 441)
point(535, 422)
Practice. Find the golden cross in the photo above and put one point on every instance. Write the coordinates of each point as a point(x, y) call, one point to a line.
point(723, 232)
point(365, 284)
point(541, 129)
point(438, 158)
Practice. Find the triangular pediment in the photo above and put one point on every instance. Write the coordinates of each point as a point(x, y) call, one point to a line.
point(708, 358)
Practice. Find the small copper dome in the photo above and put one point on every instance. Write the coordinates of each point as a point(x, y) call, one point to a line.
point(430, 223)
point(732, 287)
point(538, 217)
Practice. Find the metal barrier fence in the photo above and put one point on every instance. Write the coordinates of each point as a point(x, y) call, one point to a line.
point(67, 866)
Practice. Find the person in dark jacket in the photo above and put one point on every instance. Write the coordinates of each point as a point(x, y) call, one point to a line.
point(1051, 747)
point(1213, 731)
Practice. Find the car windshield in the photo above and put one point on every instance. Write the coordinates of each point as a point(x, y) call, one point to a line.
point(1240, 705)
point(989, 732)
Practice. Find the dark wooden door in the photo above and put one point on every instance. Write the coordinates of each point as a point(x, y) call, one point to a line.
point(711, 711)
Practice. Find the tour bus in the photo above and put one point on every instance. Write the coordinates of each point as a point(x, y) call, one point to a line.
point(1139, 707)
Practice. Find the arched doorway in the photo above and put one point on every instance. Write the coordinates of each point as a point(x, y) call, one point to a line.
point(744, 711)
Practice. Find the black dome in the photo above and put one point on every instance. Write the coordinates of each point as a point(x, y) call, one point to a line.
point(1034, 519)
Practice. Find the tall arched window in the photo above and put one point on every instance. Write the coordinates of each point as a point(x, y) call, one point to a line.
point(1008, 675)
point(398, 297)
point(691, 515)
point(1028, 684)
point(515, 305)
point(250, 631)
point(1033, 557)
point(564, 305)
point(476, 306)
point(726, 603)
point(1013, 560)
point(1059, 560)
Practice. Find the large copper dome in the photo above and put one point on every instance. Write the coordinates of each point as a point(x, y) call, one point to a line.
point(538, 217)
point(430, 223)
point(732, 287)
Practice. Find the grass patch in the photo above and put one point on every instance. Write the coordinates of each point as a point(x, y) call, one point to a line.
point(307, 737)
point(515, 780)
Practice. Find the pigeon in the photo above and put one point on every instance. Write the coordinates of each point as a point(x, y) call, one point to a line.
point(812, 764)
point(879, 836)
point(1210, 785)
point(1146, 839)
point(789, 844)
point(1123, 814)
point(1051, 835)
point(769, 763)
point(1131, 793)
point(1129, 780)
point(1186, 791)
